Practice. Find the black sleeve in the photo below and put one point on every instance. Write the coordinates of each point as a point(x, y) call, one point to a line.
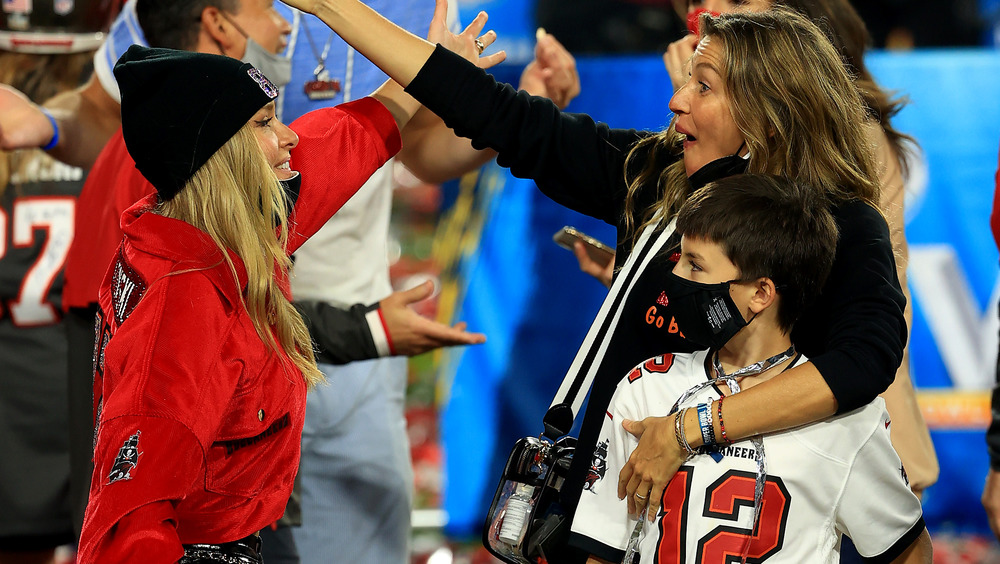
point(993, 433)
point(899, 547)
point(856, 332)
point(574, 160)
point(340, 335)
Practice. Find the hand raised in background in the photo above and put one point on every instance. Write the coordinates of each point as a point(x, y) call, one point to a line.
point(552, 74)
point(465, 43)
point(22, 123)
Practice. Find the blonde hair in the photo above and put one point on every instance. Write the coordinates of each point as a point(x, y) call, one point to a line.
point(39, 77)
point(235, 198)
point(793, 101)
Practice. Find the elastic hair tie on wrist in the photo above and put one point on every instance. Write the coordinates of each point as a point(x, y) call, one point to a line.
point(55, 128)
point(722, 426)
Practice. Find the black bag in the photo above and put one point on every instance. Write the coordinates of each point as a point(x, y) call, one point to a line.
point(526, 523)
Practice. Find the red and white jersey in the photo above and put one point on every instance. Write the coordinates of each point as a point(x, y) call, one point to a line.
point(837, 477)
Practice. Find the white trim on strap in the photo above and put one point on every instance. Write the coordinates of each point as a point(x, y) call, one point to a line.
point(573, 374)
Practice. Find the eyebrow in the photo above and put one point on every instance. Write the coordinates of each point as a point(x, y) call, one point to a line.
point(709, 66)
point(693, 255)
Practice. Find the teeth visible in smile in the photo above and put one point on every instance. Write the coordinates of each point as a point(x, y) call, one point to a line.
point(284, 166)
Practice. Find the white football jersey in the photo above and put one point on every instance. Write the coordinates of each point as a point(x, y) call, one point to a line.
point(837, 477)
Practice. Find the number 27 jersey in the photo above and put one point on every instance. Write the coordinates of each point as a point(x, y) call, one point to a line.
point(837, 477)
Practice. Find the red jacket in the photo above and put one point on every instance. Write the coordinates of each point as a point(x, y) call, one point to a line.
point(199, 422)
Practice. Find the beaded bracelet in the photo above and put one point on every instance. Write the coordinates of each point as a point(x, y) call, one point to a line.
point(705, 422)
point(722, 426)
point(55, 128)
point(679, 432)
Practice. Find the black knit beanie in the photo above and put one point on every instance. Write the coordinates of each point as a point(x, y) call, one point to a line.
point(179, 108)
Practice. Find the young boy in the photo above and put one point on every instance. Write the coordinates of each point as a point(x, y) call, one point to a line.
point(754, 251)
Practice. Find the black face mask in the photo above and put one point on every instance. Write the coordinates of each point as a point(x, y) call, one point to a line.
point(706, 314)
point(291, 189)
point(719, 169)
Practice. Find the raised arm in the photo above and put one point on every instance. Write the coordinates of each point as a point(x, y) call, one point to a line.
point(574, 160)
point(435, 154)
point(86, 118)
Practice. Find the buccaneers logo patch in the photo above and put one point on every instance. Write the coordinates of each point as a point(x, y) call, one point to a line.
point(127, 460)
point(598, 468)
point(127, 288)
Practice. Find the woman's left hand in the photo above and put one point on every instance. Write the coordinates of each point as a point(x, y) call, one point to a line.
point(652, 464)
point(469, 44)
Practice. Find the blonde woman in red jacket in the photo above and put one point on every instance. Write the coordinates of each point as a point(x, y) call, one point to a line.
point(202, 364)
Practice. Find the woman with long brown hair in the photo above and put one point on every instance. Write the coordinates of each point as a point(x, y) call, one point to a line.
point(768, 93)
point(893, 149)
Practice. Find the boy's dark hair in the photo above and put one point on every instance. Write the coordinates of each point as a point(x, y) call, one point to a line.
point(770, 227)
point(173, 24)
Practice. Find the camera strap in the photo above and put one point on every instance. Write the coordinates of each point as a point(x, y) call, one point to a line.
point(569, 397)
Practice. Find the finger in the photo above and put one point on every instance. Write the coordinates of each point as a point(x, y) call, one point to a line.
point(446, 336)
point(630, 491)
point(635, 428)
point(417, 293)
point(587, 264)
point(476, 26)
point(440, 16)
point(488, 38)
point(655, 497)
point(641, 496)
point(653, 509)
point(492, 60)
point(625, 475)
point(461, 325)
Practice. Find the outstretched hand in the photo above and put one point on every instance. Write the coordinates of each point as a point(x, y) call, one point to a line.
point(464, 43)
point(413, 334)
point(652, 464)
point(553, 73)
point(22, 123)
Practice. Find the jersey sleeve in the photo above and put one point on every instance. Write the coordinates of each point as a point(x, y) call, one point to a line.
point(124, 32)
point(877, 510)
point(601, 525)
point(339, 149)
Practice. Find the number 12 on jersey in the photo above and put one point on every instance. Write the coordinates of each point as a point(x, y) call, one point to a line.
point(723, 500)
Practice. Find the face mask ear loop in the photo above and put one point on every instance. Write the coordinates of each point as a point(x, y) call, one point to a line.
point(737, 153)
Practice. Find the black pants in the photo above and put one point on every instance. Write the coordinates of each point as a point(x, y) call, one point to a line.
point(279, 546)
point(80, 372)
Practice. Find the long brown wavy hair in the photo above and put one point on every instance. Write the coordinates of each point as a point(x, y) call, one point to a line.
point(849, 35)
point(235, 198)
point(793, 101)
point(39, 77)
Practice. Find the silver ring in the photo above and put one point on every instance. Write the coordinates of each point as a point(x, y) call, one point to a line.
point(480, 46)
point(637, 496)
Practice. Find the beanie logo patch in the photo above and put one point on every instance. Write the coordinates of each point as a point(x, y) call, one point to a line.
point(265, 84)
